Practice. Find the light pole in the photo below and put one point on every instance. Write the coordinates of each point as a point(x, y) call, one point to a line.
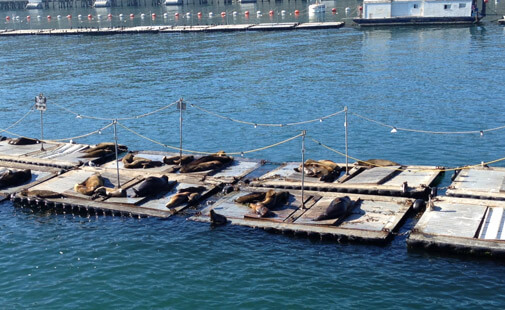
point(40, 104)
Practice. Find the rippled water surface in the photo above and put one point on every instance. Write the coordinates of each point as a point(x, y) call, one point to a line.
point(431, 78)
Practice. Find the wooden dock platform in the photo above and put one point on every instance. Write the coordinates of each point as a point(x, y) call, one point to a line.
point(177, 29)
point(463, 226)
point(372, 220)
point(401, 181)
point(480, 183)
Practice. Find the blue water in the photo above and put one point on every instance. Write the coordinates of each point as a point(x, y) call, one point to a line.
point(430, 78)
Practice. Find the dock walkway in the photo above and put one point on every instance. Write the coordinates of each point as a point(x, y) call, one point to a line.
point(174, 29)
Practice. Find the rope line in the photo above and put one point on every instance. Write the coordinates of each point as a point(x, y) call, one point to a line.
point(320, 119)
point(78, 115)
point(17, 122)
point(412, 169)
point(98, 131)
point(208, 153)
point(428, 131)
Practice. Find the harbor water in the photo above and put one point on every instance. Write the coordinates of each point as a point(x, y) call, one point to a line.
point(443, 79)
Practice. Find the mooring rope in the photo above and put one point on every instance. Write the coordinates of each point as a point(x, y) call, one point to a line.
point(428, 131)
point(411, 169)
point(319, 119)
point(78, 115)
point(207, 153)
point(98, 131)
point(17, 122)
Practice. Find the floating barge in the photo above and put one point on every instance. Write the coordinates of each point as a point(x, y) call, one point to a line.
point(373, 219)
point(479, 183)
point(462, 226)
point(174, 29)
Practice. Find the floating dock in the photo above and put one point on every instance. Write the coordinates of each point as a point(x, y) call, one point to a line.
point(461, 225)
point(373, 219)
point(176, 29)
point(480, 183)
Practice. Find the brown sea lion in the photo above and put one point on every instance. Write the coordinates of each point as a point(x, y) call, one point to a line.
point(14, 178)
point(208, 162)
point(106, 192)
point(152, 186)
point(41, 193)
point(263, 203)
point(177, 160)
point(131, 161)
point(102, 149)
point(23, 141)
point(338, 207)
point(185, 195)
point(325, 170)
point(88, 186)
point(376, 163)
point(254, 196)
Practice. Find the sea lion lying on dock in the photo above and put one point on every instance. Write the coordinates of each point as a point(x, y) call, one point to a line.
point(338, 207)
point(102, 149)
point(14, 178)
point(152, 186)
point(23, 141)
point(88, 186)
point(209, 162)
point(40, 193)
point(263, 202)
point(177, 160)
point(185, 195)
point(325, 170)
point(131, 161)
point(107, 192)
point(376, 163)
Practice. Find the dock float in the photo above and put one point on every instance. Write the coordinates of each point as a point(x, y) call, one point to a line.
point(401, 181)
point(373, 219)
point(462, 226)
point(480, 183)
point(176, 29)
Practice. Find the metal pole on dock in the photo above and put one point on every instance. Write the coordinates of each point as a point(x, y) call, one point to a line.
point(181, 105)
point(40, 104)
point(304, 132)
point(115, 145)
point(346, 146)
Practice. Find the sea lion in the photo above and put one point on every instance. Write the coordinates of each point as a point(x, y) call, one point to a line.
point(14, 178)
point(151, 186)
point(131, 161)
point(177, 160)
point(263, 203)
point(88, 186)
point(23, 141)
point(106, 192)
point(102, 149)
point(337, 208)
point(185, 195)
point(41, 193)
point(217, 219)
point(208, 162)
point(325, 170)
point(376, 163)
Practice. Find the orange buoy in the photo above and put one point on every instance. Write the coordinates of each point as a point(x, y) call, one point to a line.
point(48, 16)
point(297, 12)
point(176, 14)
point(223, 14)
point(7, 18)
point(334, 10)
point(28, 17)
point(199, 14)
point(69, 16)
point(361, 8)
point(153, 15)
point(246, 13)
point(132, 15)
point(271, 13)
point(109, 16)
point(90, 16)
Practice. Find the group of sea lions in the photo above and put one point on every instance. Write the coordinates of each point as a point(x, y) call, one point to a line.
point(11, 178)
point(94, 186)
point(209, 162)
point(131, 161)
point(325, 170)
point(262, 203)
point(103, 149)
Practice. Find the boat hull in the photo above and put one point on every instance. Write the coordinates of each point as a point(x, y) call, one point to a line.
point(397, 21)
